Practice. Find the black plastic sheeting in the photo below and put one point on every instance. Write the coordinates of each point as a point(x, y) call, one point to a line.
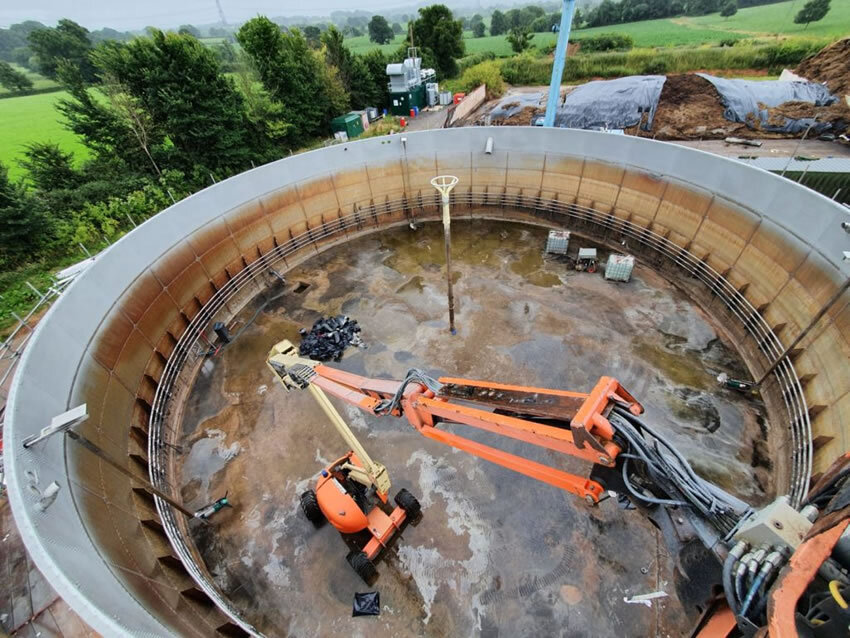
point(745, 97)
point(329, 337)
point(612, 104)
point(366, 604)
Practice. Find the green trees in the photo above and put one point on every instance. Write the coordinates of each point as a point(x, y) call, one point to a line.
point(188, 29)
point(520, 38)
point(397, 28)
point(178, 83)
point(104, 130)
point(350, 69)
point(13, 80)
point(379, 30)
point(49, 167)
point(21, 227)
point(376, 66)
point(477, 25)
point(68, 41)
point(730, 8)
point(812, 11)
point(293, 76)
point(498, 23)
point(437, 31)
point(313, 35)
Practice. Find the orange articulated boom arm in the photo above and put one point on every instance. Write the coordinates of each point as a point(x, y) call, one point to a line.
point(571, 423)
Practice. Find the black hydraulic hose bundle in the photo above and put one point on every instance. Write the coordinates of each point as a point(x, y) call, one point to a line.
point(671, 473)
point(748, 572)
point(414, 375)
point(748, 576)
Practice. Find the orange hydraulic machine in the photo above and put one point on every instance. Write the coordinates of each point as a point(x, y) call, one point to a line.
point(569, 422)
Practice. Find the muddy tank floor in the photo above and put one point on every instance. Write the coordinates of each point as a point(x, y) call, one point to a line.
point(495, 553)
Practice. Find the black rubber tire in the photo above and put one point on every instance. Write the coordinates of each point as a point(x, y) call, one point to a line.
point(361, 564)
point(406, 501)
point(311, 509)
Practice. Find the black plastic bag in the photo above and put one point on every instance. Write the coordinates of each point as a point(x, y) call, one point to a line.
point(367, 604)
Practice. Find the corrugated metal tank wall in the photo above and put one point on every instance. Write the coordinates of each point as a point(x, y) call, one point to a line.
point(107, 341)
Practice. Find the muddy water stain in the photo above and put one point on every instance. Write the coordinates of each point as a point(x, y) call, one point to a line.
point(682, 368)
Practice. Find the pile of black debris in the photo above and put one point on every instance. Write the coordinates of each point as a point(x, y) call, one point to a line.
point(329, 337)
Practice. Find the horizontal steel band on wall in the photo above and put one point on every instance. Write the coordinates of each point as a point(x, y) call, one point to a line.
point(51, 371)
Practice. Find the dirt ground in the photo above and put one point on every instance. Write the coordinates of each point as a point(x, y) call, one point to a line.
point(29, 607)
point(690, 108)
point(832, 66)
point(495, 553)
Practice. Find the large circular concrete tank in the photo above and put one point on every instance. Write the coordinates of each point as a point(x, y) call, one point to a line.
point(756, 250)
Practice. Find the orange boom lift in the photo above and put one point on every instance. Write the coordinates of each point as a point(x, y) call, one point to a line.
point(572, 423)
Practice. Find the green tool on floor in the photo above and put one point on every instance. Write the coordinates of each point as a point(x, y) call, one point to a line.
point(212, 508)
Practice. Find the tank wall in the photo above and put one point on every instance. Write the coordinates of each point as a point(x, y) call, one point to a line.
point(107, 340)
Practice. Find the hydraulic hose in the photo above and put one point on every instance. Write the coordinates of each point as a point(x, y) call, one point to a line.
point(739, 578)
point(772, 564)
point(751, 593)
point(728, 565)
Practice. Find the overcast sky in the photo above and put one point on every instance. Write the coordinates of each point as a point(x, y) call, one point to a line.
point(125, 15)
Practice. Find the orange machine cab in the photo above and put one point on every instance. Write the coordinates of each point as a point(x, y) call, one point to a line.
point(337, 506)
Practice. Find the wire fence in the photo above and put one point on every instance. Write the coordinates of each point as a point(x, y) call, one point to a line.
point(13, 345)
point(594, 223)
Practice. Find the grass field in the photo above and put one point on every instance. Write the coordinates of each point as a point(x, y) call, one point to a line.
point(33, 118)
point(755, 22)
point(38, 81)
point(362, 44)
point(660, 33)
point(778, 19)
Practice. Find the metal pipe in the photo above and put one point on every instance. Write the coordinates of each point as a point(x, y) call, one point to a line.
point(444, 184)
point(103, 456)
point(567, 11)
point(797, 148)
point(448, 241)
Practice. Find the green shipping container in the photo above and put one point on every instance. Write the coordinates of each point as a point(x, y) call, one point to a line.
point(401, 103)
point(350, 123)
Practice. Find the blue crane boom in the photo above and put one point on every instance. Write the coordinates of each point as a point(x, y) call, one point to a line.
point(560, 59)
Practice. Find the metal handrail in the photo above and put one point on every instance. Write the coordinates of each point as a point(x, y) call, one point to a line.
point(371, 215)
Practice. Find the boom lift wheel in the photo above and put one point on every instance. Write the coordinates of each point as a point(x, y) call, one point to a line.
point(406, 501)
point(310, 506)
point(362, 565)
